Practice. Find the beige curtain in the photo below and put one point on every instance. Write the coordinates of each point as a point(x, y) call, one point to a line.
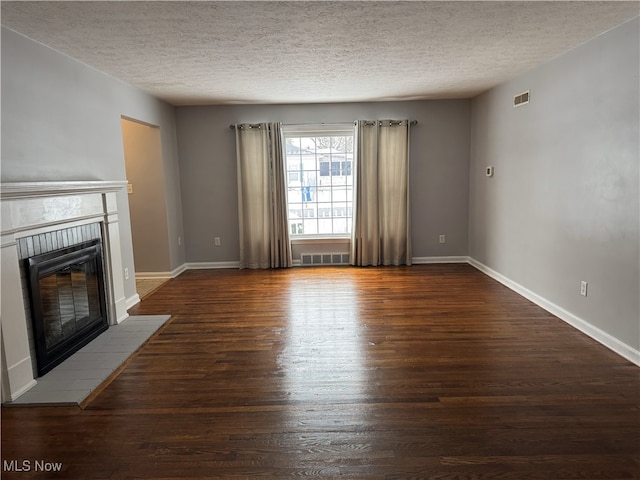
point(264, 236)
point(381, 228)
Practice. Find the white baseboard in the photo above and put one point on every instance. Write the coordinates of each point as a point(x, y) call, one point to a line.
point(428, 260)
point(152, 275)
point(14, 395)
point(121, 306)
point(177, 271)
point(585, 327)
point(19, 378)
point(131, 301)
point(156, 275)
point(210, 265)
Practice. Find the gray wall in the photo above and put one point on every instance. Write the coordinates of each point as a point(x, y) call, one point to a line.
point(61, 121)
point(563, 205)
point(439, 169)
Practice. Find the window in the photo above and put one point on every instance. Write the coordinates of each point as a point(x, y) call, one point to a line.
point(319, 161)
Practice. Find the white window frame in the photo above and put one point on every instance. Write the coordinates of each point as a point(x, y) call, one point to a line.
point(319, 130)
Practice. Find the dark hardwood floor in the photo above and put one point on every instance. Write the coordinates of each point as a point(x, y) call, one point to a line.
point(434, 372)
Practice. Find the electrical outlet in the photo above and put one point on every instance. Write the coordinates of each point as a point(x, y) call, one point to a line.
point(443, 239)
point(126, 274)
point(129, 188)
point(217, 242)
point(583, 288)
point(179, 240)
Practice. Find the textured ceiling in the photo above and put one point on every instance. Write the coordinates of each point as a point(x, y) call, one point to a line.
point(304, 52)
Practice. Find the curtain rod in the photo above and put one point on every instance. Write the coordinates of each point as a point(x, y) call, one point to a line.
point(250, 125)
point(412, 123)
point(394, 123)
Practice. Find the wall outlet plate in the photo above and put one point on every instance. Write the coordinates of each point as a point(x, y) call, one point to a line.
point(489, 172)
point(583, 288)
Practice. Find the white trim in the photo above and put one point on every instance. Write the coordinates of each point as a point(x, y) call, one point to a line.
point(20, 378)
point(319, 240)
point(211, 265)
point(428, 260)
point(37, 189)
point(131, 302)
point(177, 271)
point(155, 275)
point(585, 327)
point(121, 311)
point(15, 394)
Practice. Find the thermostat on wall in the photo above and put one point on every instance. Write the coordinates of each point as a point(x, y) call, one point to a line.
point(489, 172)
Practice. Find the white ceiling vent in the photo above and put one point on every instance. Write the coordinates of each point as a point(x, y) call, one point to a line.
point(521, 99)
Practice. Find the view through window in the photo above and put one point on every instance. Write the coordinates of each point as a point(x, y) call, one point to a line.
point(319, 181)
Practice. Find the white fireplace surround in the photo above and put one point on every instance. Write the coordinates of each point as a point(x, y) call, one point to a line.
point(34, 208)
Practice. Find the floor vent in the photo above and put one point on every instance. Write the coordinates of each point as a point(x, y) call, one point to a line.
point(521, 99)
point(313, 259)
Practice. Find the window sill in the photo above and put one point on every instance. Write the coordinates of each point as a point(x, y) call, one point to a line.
point(320, 240)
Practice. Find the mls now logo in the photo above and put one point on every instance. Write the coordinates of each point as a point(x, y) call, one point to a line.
point(28, 466)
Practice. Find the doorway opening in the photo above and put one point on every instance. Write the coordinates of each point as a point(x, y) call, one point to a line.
point(147, 202)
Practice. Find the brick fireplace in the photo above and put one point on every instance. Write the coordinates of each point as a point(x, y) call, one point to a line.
point(37, 219)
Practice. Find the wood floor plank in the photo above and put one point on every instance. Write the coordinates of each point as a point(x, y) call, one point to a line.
point(434, 372)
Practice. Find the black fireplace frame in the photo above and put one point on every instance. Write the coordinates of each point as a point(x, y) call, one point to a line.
point(40, 266)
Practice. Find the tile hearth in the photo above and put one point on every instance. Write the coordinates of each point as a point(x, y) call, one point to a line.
point(73, 380)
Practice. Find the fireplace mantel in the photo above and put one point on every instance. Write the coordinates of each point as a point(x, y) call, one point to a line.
point(47, 189)
point(36, 208)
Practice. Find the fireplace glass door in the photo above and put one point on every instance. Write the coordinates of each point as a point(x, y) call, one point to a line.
point(68, 301)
